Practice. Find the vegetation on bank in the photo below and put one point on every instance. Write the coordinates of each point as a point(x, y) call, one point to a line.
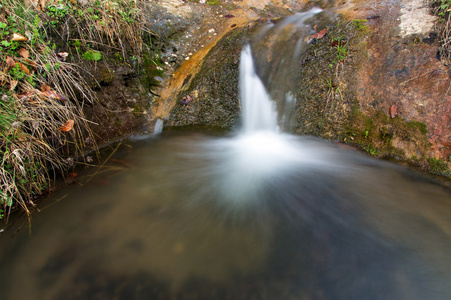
point(43, 90)
point(442, 9)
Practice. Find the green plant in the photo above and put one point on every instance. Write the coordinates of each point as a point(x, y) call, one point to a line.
point(438, 166)
point(32, 143)
point(92, 55)
point(16, 72)
point(372, 150)
point(213, 2)
point(7, 116)
point(342, 51)
point(441, 8)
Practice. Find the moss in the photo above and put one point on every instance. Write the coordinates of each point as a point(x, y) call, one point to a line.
point(361, 26)
point(213, 2)
point(377, 131)
point(118, 56)
point(439, 167)
point(420, 125)
point(151, 70)
point(106, 76)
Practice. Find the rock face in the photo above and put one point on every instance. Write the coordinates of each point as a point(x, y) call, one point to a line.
point(387, 62)
point(374, 57)
point(210, 98)
point(403, 69)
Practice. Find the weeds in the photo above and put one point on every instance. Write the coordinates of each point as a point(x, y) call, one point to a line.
point(40, 91)
point(441, 8)
point(439, 166)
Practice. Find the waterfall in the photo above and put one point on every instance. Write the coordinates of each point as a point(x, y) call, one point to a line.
point(258, 109)
point(268, 82)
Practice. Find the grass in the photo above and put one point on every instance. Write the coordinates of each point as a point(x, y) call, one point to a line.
point(441, 9)
point(42, 90)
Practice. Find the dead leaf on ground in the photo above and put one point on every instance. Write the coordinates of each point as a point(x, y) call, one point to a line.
point(62, 56)
point(42, 5)
point(393, 111)
point(55, 95)
point(67, 126)
point(24, 53)
point(10, 61)
point(24, 68)
point(28, 96)
point(320, 34)
point(32, 64)
point(61, 97)
point(17, 37)
point(13, 84)
point(25, 95)
point(45, 88)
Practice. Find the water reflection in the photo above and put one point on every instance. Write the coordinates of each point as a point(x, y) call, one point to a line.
point(324, 223)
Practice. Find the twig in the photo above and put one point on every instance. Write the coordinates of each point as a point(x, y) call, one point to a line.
point(103, 164)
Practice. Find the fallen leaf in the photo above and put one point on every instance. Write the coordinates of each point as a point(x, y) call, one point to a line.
point(32, 64)
point(10, 62)
point(13, 84)
point(60, 97)
point(393, 111)
point(62, 55)
point(42, 4)
point(18, 38)
point(67, 126)
point(24, 53)
point(25, 95)
point(24, 68)
point(339, 43)
point(45, 88)
point(320, 34)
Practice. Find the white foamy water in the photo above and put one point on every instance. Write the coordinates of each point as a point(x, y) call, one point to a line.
point(258, 109)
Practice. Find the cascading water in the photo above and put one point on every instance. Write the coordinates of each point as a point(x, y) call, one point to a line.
point(258, 111)
point(260, 215)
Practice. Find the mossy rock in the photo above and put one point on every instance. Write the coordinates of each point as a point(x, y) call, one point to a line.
point(214, 89)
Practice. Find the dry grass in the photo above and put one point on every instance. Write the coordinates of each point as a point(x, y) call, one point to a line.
point(441, 8)
point(40, 93)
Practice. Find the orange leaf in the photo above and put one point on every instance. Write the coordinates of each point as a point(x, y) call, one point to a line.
point(18, 38)
point(10, 62)
point(24, 68)
point(45, 88)
point(67, 126)
point(32, 64)
point(25, 95)
point(24, 53)
point(61, 97)
point(320, 34)
point(393, 111)
point(47, 94)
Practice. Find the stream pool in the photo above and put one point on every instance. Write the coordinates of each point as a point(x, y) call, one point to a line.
point(196, 216)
